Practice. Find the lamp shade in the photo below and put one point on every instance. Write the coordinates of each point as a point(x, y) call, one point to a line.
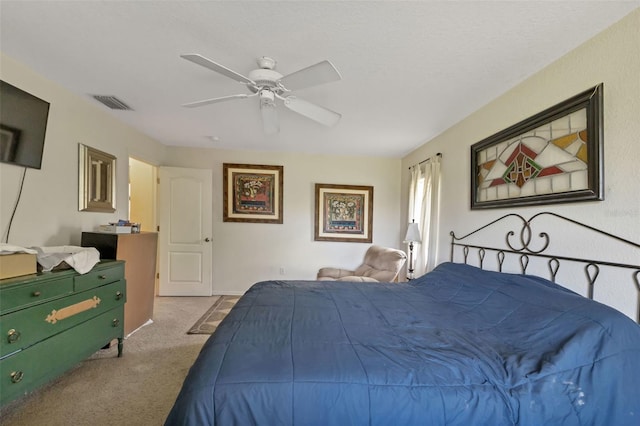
point(413, 234)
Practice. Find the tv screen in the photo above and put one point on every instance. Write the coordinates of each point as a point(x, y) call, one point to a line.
point(23, 123)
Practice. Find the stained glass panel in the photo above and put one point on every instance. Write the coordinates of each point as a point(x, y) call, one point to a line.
point(558, 151)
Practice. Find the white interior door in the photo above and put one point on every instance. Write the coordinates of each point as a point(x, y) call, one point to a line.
point(185, 217)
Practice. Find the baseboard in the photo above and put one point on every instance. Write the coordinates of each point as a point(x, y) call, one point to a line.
point(228, 293)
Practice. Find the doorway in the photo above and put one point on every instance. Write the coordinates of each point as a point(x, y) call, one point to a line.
point(142, 194)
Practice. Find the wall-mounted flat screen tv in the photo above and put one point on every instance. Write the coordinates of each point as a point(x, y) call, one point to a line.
point(23, 124)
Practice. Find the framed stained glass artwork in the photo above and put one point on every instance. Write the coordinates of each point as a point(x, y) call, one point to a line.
point(556, 156)
point(252, 193)
point(344, 213)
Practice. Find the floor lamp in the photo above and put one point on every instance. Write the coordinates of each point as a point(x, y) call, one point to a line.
point(413, 236)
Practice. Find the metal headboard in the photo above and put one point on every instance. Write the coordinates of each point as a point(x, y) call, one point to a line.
point(524, 248)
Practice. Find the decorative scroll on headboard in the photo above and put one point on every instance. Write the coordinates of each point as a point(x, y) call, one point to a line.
point(527, 246)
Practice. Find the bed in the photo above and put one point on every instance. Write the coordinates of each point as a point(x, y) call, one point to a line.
point(460, 345)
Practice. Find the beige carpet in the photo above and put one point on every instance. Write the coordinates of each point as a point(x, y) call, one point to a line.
point(208, 323)
point(137, 389)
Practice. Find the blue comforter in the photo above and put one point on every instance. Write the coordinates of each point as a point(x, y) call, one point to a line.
point(457, 346)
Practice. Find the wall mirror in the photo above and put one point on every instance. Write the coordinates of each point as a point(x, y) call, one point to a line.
point(96, 180)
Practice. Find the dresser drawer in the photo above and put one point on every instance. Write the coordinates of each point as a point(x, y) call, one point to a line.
point(22, 329)
point(99, 276)
point(32, 367)
point(18, 297)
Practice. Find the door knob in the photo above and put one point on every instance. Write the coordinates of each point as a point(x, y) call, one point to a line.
point(206, 240)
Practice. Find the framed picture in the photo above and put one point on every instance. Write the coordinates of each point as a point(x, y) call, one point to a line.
point(252, 193)
point(96, 180)
point(556, 156)
point(344, 213)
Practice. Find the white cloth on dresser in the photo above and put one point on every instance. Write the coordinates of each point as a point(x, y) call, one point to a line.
point(11, 249)
point(82, 259)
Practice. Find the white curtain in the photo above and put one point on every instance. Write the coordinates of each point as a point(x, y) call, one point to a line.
point(424, 208)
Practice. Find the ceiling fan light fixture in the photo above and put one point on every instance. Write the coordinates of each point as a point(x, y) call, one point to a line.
point(267, 98)
point(269, 113)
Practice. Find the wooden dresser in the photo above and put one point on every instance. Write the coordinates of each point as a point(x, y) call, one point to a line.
point(139, 252)
point(51, 321)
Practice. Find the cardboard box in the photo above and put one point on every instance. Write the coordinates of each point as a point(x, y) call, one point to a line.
point(114, 229)
point(17, 264)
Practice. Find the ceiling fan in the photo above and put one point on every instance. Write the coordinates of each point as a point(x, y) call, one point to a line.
point(269, 85)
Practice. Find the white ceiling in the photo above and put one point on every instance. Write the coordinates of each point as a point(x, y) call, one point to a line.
point(409, 70)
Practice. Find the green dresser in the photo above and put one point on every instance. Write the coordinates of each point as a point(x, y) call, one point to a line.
point(51, 321)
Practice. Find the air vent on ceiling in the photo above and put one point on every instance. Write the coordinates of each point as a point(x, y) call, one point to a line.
point(112, 102)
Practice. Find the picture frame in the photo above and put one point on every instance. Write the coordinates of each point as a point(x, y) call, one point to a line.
point(555, 156)
point(96, 180)
point(343, 213)
point(252, 193)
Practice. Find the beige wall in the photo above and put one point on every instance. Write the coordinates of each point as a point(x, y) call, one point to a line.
point(48, 213)
point(244, 253)
point(612, 58)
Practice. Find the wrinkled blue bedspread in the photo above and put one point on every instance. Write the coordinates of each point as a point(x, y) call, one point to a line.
point(457, 346)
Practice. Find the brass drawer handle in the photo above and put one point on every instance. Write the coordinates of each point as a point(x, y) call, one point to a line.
point(102, 277)
point(116, 322)
point(36, 293)
point(13, 336)
point(16, 376)
point(118, 295)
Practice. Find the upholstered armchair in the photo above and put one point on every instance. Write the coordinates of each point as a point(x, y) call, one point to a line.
point(380, 264)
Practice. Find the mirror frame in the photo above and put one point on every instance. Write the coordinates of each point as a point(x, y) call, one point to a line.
point(91, 164)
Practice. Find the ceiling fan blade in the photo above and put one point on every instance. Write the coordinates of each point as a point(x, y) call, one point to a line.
point(214, 100)
point(208, 63)
point(315, 112)
point(320, 73)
